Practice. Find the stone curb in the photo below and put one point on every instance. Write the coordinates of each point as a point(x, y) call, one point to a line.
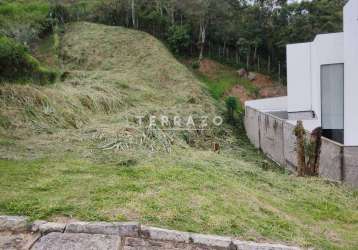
point(134, 229)
point(219, 242)
point(155, 233)
point(51, 227)
point(14, 223)
point(129, 229)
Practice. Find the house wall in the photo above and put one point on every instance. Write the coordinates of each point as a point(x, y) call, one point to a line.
point(351, 73)
point(299, 77)
point(325, 49)
point(304, 61)
point(275, 137)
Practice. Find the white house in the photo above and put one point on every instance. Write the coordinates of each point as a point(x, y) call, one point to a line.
point(322, 85)
point(322, 77)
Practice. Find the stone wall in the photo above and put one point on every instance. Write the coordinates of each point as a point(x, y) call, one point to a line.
point(17, 233)
point(275, 137)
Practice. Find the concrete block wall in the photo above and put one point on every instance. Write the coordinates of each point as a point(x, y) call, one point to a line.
point(331, 160)
point(252, 126)
point(275, 137)
point(271, 137)
point(290, 146)
point(350, 169)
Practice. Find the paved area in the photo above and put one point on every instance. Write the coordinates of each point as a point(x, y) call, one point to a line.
point(11, 241)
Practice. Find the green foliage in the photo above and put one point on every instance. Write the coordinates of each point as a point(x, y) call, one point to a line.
point(220, 85)
point(231, 103)
point(245, 33)
point(23, 21)
point(59, 14)
point(17, 64)
point(195, 64)
point(231, 106)
point(178, 38)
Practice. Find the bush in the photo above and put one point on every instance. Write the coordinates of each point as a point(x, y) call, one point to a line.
point(17, 64)
point(60, 14)
point(231, 105)
point(195, 64)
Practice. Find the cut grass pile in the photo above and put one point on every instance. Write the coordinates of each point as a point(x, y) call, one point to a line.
point(53, 163)
point(111, 76)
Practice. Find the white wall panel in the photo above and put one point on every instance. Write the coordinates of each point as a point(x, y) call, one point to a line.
point(351, 73)
point(299, 77)
point(325, 49)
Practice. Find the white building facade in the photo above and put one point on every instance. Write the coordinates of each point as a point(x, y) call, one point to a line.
point(322, 86)
point(322, 78)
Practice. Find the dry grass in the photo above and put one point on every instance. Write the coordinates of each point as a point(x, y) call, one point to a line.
point(111, 76)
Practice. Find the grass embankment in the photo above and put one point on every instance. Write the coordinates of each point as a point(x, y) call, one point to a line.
point(220, 79)
point(20, 24)
point(58, 159)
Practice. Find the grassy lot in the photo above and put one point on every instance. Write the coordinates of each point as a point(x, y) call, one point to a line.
point(57, 160)
point(197, 191)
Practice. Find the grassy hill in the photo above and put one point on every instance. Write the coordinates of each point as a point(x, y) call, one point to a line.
point(74, 150)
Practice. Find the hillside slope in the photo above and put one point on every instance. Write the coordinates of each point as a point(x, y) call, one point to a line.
point(74, 150)
point(111, 76)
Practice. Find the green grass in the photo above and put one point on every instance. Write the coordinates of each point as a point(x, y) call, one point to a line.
point(195, 191)
point(30, 11)
point(224, 80)
point(219, 86)
point(23, 20)
point(16, 64)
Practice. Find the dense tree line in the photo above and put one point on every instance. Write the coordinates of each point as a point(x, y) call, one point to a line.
point(250, 33)
point(247, 33)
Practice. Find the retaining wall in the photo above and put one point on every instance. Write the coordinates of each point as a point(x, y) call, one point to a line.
point(275, 137)
point(19, 233)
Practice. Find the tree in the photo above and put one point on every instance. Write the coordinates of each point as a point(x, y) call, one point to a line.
point(178, 38)
point(200, 13)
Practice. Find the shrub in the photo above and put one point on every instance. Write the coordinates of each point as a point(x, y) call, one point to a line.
point(231, 105)
point(60, 14)
point(195, 64)
point(17, 64)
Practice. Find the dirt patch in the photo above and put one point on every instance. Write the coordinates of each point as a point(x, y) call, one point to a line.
point(240, 92)
point(262, 81)
point(273, 91)
point(267, 88)
point(210, 68)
